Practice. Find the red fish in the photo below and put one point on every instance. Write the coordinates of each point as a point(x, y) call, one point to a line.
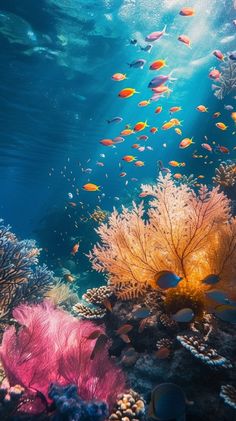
point(153, 129)
point(107, 142)
point(218, 54)
point(127, 93)
point(158, 110)
point(214, 74)
point(124, 329)
point(129, 158)
point(185, 40)
point(206, 146)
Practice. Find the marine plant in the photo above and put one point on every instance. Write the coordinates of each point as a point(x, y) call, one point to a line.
point(190, 233)
point(20, 278)
point(227, 80)
point(51, 346)
point(225, 174)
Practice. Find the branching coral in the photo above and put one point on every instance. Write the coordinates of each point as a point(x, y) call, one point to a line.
point(53, 347)
point(225, 174)
point(19, 281)
point(227, 80)
point(228, 393)
point(191, 234)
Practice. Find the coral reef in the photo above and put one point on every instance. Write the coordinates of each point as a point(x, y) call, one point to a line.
point(228, 393)
point(86, 312)
point(53, 347)
point(20, 278)
point(129, 406)
point(191, 234)
point(97, 295)
point(70, 407)
point(225, 174)
point(227, 81)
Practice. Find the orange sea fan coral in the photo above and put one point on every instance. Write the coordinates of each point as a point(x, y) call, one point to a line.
point(192, 234)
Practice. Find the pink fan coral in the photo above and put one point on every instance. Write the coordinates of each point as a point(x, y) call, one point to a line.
point(192, 234)
point(53, 347)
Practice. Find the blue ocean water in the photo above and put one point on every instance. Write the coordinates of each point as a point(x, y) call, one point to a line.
point(57, 60)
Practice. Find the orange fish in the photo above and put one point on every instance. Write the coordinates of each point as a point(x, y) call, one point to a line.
point(168, 125)
point(153, 130)
point(174, 109)
point(185, 40)
point(202, 108)
point(177, 164)
point(158, 110)
point(157, 65)
point(75, 249)
point(129, 158)
point(118, 77)
point(140, 126)
point(107, 304)
point(127, 93)
point(161, 89)
point(126, 132)
point(176, 122)
point(178, 131)
point(125, 338)
point(135, 146)
point(107, 142)
point(221, 126)
point(233, 116)
point(144, 103)
point(187, 11)
point(68, 277)
point(139, 163)
point(177, 176)
point(91, 187)
point(185, 143)
point(124, 329)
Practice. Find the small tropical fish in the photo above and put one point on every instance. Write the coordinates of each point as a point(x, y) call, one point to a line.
point(139, 164)
point(118, 77)
point(140, 126)
point(123, 174)
point(107, 304)
point(158, 110)
point(216, 115)
point(141, 313)
point(185, 40)
point(221, 126)
point(162, 168)
point(185, 143)
point(178, 131)
point(206, 146)
point(201, 176)
point(143, 137)
point(153, 130)
point(107, 142)
point(157, 65)
point(91, 187)
point(185, 315)
point(187, 11)
point(143, 194)
point(99, 345)
point(142, 148)
point(222, 149)
point(202, 108)
point(160, 80)
point(75, 249)
point(115, 120)
point(125, 338)
point(218, 54)
point(166, 279)
point(161, 89)
point(68, 276)
point(129, 158)
point(227, 313)
point(233, 116)
point(211, 279)
point(168, 402)
point(118, 139)
point(178, 176)
point(214, 74)
point(228, 107)
point(174, 109)
point(135, 146)
point(144, 103)
point(232, 56)
point(127, 92)
point(168, 125)
point(138, 64)
point(126, 132)
point(124, 329)
point(217, 295)
point(100, 164)
point(72, 204)
point(147, 48)
point(177, 164)
point(162, 353)
point(143, 324)
point(176, 122)
point(154, 36)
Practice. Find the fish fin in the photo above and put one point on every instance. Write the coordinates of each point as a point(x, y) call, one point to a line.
point(164, 30)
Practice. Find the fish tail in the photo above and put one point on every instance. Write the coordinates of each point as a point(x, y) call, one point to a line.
point(164, 30)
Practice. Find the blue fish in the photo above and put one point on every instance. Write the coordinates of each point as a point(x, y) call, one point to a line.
point(147, 48)
point(232, 55)
point(141, 313)
point(227, 313)
point(160, 80)
point(168, 402)
point(218, 296)
point(167, 279)
point(185, 315)
point(211, 279)
point(115, 120)
point(138, 64)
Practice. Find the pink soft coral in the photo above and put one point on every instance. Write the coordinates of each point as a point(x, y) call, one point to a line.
point(53, 347)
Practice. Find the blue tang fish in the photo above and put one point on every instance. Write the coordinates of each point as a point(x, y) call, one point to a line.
point(139, 63)
point(211, 279)
point(185, 315)
point(227, 313)
point(168, 402)
point(115, 120)
point(218, 296)
point(167, 279)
